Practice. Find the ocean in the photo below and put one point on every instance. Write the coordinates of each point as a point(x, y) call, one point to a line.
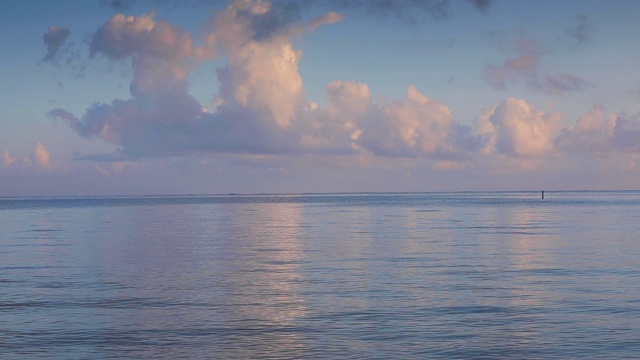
point(471, 275)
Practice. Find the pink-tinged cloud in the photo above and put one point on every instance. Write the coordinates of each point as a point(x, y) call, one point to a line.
point(414, 126)
point(42, 157)
point(522, 131)
point(337, 126)
point(38, 158)
point(7, 159)
point(262, 72)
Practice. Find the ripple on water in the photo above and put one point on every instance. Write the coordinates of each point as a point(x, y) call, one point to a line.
point(477, 275)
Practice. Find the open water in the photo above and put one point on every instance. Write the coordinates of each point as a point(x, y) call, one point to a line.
point(425, 275)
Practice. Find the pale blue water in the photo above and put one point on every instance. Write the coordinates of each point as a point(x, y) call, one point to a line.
point(430, 275)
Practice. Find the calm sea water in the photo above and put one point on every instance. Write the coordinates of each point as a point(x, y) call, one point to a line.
point(428, 275)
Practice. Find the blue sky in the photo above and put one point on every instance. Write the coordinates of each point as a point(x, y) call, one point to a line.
point(161, 97)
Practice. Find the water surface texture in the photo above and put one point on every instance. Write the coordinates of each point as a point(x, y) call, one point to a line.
point(427, 275)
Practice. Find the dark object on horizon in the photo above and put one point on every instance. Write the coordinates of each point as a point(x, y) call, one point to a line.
point(543, 194)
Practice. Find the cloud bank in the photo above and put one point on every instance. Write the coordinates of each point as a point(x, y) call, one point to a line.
point(261, 106)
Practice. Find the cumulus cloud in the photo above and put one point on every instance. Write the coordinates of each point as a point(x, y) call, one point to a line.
point(260, 87)
point(525, 67)
point(262, 72)
point(592, 133)
point(54, 38)
point(414, 126)
point(516, 129)
point(600, 132)
point(337, 127)
point(261, 107)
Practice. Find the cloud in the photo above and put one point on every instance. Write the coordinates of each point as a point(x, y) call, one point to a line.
point(600, 132)
point(262, 72)
point(159, 51)
point(261, 107)
point(114, 167)
point(337, 127)
point(153, 126)
point(42, 157)
point(39, 157)
point(7, 159)
point(560, 83)
point(525, 67)
point(118, 5)
point(266, 20)
point(627, 135)
point(54, 38)
point(62, 53)
point(413, 126)
point(482, 5)
point(260, 88)
point(513, 70)
point(583, 30)
point(592, 133)
point(411, 12)
point(520, 131)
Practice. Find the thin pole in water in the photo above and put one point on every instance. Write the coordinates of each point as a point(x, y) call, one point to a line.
point(543, 194)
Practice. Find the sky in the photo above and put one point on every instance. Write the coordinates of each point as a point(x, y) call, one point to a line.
point(128, 97)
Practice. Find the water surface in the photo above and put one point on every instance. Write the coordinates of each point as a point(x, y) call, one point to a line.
point(426, 275)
